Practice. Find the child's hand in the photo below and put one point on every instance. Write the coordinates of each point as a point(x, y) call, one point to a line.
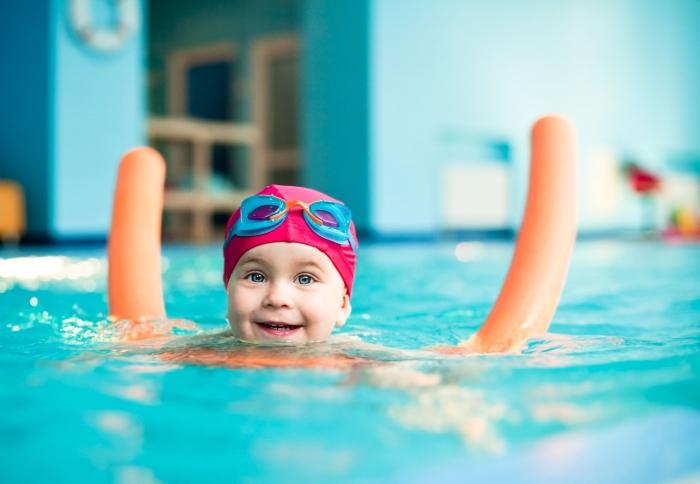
point(152, 328)
point(451, 350)
point(474, 346)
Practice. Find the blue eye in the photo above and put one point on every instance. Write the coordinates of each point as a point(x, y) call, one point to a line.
point(305, 279)
point(255, 277)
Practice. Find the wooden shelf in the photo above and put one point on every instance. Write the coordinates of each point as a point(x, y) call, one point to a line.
point(194, 130)
point(200, 202)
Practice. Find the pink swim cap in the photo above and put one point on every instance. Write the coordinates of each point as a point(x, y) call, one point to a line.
point(293, 229)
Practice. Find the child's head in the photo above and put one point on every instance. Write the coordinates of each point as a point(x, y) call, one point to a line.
point(289, 264)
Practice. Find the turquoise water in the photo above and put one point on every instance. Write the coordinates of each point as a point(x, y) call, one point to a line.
point(613, 394)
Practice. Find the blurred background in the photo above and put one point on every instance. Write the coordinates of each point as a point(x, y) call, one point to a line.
point(416, 113)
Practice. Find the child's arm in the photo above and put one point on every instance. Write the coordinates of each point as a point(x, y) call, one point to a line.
point(530, 293)
point(134, 278)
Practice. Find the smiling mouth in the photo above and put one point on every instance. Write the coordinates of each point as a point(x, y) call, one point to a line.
point(279, 329)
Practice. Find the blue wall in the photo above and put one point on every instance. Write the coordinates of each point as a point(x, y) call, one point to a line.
point(75, 111)
point(25, 95)
point(626, 72)
point(336, 102)
point(99, 113)
point(385, 83)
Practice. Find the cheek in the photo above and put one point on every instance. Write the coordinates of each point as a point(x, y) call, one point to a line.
point(239, 311)
point(239, 303)
point(324, 309)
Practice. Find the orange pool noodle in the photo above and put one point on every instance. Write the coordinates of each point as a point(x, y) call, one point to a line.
point(530, 294)
point(134, 279)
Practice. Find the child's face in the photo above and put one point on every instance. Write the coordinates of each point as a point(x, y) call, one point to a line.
point(286, 292)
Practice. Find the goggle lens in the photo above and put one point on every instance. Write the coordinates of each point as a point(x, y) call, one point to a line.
point(328, 218)
point(263, 212)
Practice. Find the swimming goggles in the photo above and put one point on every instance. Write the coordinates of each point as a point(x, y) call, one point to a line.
point(261, 214)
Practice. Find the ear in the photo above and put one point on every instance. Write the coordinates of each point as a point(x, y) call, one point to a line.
point(344, 310)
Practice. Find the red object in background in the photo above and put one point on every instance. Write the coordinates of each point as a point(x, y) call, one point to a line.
point(642, 181)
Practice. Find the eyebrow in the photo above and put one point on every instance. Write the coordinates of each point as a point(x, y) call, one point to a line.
point(310, 263)
point(301, 263)
point(253, 260)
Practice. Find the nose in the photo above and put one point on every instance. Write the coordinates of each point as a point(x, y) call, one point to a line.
point(278, 295)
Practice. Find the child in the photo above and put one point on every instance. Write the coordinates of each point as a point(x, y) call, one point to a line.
point(289, 265)
point(290, 255)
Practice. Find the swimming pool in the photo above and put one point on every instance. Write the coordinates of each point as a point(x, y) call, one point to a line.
point(613, 395)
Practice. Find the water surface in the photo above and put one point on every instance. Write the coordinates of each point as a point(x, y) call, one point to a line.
point(621, 364)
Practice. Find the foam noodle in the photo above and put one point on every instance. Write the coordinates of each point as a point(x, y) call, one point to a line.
point(530, 293)
point(135, 286)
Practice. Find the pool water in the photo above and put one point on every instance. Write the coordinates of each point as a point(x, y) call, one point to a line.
point(611, 395)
